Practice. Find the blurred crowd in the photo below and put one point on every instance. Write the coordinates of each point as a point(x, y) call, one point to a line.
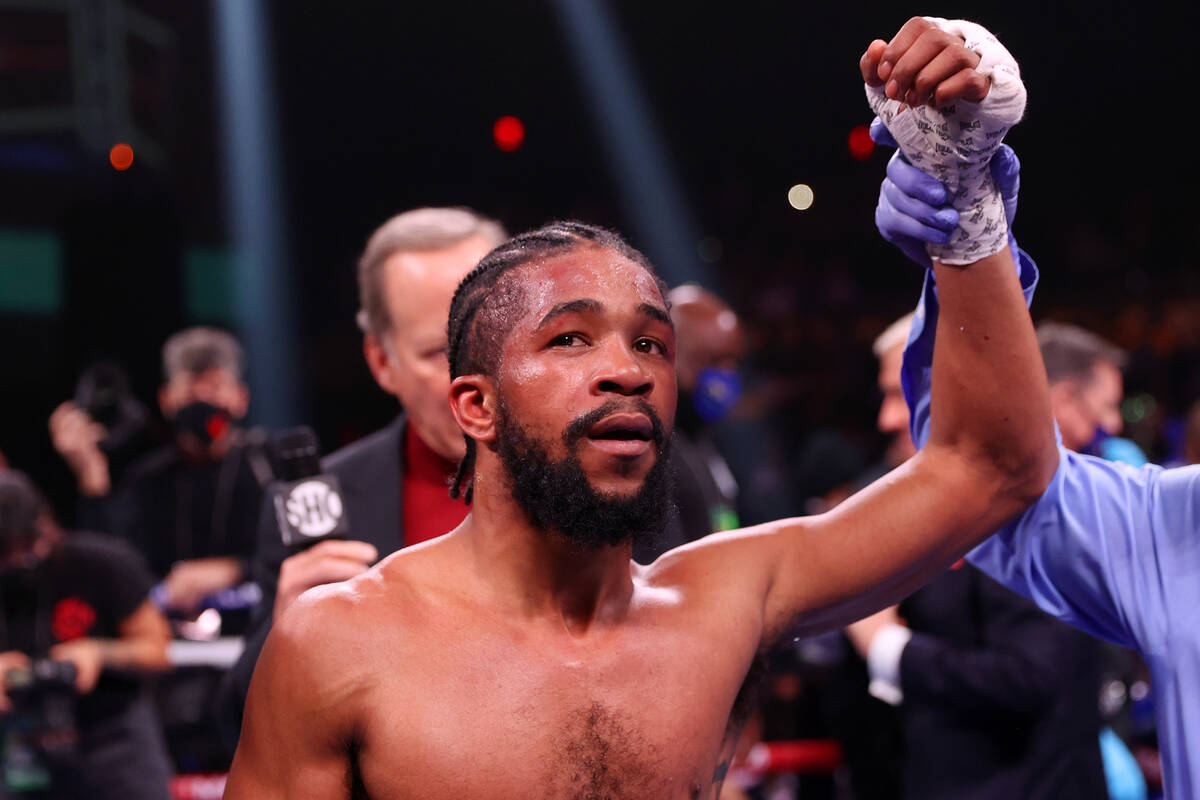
point(130, 621)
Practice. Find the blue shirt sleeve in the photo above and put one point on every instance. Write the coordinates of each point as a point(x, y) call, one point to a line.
point(1109, 548)
point(917, 368)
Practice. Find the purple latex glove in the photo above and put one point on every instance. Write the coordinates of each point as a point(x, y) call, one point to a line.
point(912, 206)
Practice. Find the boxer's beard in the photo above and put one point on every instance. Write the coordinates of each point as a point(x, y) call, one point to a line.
point(557, 496)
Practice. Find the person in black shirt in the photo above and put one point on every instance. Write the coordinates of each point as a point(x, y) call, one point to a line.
point(190, 507)
point(79, 599)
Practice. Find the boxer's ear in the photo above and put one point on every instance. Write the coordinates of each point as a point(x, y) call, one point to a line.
point(473, 402)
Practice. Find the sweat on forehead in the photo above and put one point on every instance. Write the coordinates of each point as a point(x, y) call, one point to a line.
point(491, 298)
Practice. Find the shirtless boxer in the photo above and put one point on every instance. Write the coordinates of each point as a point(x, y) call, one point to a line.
point(524, 654)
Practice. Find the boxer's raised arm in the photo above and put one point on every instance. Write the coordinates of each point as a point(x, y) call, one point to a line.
point(299, 726)
point(991, 453)
point(991, 450)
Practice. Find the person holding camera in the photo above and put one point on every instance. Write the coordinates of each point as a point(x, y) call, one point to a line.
point(191, 506)
point(77, 636)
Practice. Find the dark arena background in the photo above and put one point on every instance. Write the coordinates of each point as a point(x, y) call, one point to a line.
point(222, 162)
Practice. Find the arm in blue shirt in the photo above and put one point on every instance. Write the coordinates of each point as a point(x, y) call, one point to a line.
point(1109, 548)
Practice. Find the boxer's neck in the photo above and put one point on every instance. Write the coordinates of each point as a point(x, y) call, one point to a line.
point(539, 574)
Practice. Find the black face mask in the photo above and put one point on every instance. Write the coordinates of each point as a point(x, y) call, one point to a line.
point(203, 420)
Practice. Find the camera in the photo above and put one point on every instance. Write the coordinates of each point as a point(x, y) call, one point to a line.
point(103, 392)
point(41, 732)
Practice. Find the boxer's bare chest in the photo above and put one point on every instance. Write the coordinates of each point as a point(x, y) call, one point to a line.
point(493, 714)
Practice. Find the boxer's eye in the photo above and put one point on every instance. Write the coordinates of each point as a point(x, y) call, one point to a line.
point(650, 346)
point(568, 340)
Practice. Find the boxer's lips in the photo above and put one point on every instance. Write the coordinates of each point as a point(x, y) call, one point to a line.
point(626, 435)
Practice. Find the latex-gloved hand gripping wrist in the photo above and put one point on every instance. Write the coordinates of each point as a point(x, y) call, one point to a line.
point(955, 144)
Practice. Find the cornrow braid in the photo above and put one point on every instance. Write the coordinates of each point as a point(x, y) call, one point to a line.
point(476, 329)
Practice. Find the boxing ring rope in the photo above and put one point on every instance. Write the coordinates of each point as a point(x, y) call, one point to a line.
point(222, 652)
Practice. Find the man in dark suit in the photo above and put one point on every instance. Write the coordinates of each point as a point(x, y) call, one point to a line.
point(394, 482)
point(999, 699)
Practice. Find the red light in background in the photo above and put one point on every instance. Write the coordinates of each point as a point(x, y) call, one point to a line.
point(121, 156)
point(861, 146)
point(509, 133)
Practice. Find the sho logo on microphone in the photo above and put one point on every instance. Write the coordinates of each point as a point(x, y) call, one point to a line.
point(310, 509)
point(313, 508)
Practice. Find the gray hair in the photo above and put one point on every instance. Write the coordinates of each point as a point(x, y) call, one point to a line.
point(419, 229)
point(199, 349)
point(1071, 353)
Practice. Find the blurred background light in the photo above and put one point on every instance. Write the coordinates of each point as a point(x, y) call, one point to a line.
point(800, 197)
point(263, 287)
point(121, 156)
point(1138, 407)
point(860, 143)
point(653, 205)
point(509, 133)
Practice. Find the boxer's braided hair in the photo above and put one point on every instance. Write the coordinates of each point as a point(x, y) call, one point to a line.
point(479, 324)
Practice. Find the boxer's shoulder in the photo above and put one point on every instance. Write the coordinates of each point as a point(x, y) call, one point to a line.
point(725, 569)
point(325, 616)
point(346, 638)
point(317, 659)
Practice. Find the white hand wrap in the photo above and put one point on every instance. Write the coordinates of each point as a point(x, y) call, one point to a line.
point(956, 144)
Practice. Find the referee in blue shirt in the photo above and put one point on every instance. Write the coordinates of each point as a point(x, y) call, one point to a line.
point(1109, 548)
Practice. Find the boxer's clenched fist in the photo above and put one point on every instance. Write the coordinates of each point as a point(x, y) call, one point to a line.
point(948, 92)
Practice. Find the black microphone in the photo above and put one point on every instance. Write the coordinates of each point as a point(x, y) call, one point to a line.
point(308, 503)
